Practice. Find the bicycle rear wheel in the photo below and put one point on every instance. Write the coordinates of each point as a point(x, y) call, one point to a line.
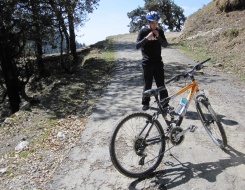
point(211, 122)
point(137, 145)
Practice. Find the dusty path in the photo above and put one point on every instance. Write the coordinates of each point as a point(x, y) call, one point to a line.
point(196, 164)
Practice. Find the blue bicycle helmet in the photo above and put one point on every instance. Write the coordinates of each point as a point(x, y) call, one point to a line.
point(152, 16)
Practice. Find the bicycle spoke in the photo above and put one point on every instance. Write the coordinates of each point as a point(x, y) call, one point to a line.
point(211, 123)
point(136, 145)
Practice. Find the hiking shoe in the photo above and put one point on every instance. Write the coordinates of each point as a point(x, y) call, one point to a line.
point(145, 107)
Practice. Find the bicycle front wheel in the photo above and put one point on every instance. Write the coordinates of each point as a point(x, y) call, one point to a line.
point(211, 122)
point(137, 145)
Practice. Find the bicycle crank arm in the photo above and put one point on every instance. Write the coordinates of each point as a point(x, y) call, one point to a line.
point(191, 128)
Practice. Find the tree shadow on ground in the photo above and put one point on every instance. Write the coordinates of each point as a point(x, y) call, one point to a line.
point(181, 173)
point(194, 116)
point(76, 93)
point(128, 83)
point(65, 94)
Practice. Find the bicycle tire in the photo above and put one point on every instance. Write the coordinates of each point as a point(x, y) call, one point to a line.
point(124, 142)
point(211, 122)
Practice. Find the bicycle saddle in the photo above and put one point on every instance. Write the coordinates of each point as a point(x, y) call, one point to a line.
point(153, 92)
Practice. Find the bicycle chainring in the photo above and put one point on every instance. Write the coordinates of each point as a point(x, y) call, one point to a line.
point(173, 136)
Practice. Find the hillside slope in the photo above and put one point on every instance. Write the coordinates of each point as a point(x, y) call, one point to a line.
point(220, 35)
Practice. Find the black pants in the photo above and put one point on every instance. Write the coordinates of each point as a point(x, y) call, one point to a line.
point(155, 70)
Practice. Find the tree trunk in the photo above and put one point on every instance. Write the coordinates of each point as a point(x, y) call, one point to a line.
point(39, 51)
point(169, 18)
point(67, 70)
point(10, 77)
point(37, 38)
point(62, 23)
point(72, 36)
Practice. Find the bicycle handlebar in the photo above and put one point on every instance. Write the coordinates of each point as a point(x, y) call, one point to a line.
point(189, 73)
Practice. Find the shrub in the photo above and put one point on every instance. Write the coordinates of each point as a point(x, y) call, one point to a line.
point(230, 5)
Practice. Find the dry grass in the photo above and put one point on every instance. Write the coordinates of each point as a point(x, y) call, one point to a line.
point(228, 5)
point(218, 35)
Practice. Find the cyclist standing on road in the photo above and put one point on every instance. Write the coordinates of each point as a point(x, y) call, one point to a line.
point(150, 39)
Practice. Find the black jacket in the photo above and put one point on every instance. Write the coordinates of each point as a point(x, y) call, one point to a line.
point(151, 49)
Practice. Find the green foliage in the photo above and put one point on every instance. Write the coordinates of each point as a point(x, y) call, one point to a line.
point(26, 27)
point(171, 13)
point(137, 17)
point(231, 33)
point(23, 154)
point(198, 53)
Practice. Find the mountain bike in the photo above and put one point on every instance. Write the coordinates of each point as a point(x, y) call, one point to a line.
point(137, 144)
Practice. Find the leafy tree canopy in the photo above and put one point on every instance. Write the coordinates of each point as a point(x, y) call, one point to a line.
point(26, 27)
point(172, 15)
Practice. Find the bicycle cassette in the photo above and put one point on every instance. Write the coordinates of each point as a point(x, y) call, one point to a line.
point(174, 138)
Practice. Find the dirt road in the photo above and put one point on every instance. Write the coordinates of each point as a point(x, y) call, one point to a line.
point(196, 164)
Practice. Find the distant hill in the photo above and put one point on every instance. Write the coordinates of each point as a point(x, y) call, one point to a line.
point(218, 30)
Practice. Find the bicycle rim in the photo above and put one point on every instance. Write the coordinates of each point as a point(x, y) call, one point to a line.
point(126, 142)
point(211, 123)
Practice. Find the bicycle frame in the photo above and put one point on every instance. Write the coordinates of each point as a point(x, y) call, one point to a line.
point(133, 136)
point(152, 140)
point(193, 87)
point(163, 109)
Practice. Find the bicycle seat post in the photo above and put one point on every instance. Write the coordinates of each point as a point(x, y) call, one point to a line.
point(158, 103)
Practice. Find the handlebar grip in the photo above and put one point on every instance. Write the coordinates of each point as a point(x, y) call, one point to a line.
point(176, 78)
point(198, 66)
point(204, 61)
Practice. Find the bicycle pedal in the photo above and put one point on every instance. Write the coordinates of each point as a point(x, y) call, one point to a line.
point(193, 128)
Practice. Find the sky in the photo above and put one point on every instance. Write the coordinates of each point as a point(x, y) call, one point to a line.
point(110, 18)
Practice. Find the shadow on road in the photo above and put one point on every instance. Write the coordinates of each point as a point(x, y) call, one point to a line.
point(193, 115)
point(181, 173)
